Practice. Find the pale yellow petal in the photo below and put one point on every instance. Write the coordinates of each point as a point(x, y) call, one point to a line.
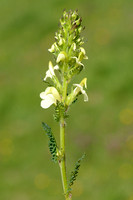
point(42, 95)
point(82, 50)
point(54, 92)
point(77, 89)
point(85, 95)
point(56, 67)
point(48, 101)
point(84, 82)
point(77, 61)
point(52, 49)
point(61, 57)
point(51, 68)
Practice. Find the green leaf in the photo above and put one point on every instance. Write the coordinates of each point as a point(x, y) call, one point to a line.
point(52, 142)
point(75, 70)
point(60, 110)
point(48, 83)
point(74, 173)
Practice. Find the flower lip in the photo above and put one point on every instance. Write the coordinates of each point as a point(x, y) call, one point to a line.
point(77, 61)
point(53, 48)
point(48, 101)
point(79, 89)
point(49, 97)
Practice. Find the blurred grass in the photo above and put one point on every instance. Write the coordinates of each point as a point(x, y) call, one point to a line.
point(102, 128)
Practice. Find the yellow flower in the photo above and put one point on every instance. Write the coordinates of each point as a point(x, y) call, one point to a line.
point(81, 56)
point(79, 89)
point(53, 48)
point(83, 53)
point(61, 56)
point(50, 72)
point(49, 97)
point(73, 46)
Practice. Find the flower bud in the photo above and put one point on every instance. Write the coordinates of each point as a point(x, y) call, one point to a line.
point(73, 46)
point(78, 22)
point(53, 48)
point(82, 54)
point(61, 56)
point(61, 41)
point(74, 15)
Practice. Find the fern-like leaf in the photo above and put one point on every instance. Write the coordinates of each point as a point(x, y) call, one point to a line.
point(52, 142)
point(75, 70)
point(74, 173)
point(60, 110)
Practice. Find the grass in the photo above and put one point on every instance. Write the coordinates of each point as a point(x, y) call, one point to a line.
point(102, 128)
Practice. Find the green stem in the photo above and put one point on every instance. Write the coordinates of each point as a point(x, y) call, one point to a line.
point(62, 162)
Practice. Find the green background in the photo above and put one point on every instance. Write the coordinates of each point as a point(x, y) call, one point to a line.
point(102, 127)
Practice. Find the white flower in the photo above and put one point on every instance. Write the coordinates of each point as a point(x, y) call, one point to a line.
point(53, 48)
point(78, 61)
point(73, 46)
point(61, 41)
point(50, 72)
point(49, 97)
point(61, 56)
point(81, 56)
point(79, 89)
point(82, 51)
point(48, 101)
point(80, 41)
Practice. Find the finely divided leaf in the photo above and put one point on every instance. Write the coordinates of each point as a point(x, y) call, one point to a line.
point(74, 173)
point(60, 110)
point(52, 142)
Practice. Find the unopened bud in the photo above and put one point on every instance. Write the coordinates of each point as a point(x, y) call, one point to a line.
point(61, 57)
point(74, 46)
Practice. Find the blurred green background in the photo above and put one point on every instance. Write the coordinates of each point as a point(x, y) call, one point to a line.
point(103, 127)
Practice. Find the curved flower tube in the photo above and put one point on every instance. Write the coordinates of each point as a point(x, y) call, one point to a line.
point(81, 56)
point(53, 48)
point(50, 72)
point(79, 89)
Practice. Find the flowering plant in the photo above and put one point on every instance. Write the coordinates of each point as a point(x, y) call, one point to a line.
point(69, 54)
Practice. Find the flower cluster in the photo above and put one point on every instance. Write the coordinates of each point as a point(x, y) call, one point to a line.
point(69, 54)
